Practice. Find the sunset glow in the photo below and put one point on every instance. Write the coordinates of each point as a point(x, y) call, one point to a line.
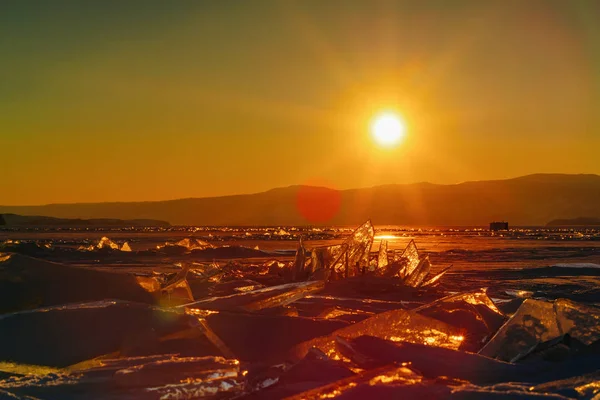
point(388, 129)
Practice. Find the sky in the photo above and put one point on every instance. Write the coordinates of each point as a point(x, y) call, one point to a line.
point(113, 100)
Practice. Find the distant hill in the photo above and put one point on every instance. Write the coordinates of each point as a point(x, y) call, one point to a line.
point(13, 220)
point(528, 200)
point(582, 221)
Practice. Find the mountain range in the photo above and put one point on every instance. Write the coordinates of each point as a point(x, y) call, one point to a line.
point(13, 220)
point(528, 200)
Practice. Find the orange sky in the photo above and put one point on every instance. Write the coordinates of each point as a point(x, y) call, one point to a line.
point(111, 101)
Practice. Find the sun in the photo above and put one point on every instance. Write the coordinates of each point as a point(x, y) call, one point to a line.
point(388, 129)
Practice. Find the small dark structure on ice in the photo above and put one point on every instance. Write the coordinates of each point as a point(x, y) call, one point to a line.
point(498, 226)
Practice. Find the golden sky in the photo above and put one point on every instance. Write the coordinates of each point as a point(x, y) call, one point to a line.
point(122, 101)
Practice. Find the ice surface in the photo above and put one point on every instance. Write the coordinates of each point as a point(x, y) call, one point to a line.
point(586, 386)
point(395, 325)
point(577, 265)
point(368, 351)
point(539, 321)
point(148, 377)
point(176, 370)
point(384, 376)
point(523, 294)
point(194, 390)
point(28, 283)
point(68, 334)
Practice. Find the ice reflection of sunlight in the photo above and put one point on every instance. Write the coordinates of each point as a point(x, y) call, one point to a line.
point(386, 237)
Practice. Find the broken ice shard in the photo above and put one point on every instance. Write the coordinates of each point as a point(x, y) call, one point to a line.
point(472, 311)
point(177, 290)
point(256, 300)
point(323, 258)
point(359, 247)
point(106, 243)
point(416, 278)
point(410, 257)
point(539, 321)
point(435, 279)
point(395, 325)
point(171, 291)
point(382, 257)
point(298, 266)
point(580, 321)
point(356, 252)
point(188, 243)
point(405, 262)
point(474, 297)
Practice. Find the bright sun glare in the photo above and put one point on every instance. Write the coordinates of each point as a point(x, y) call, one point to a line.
point(388, 129)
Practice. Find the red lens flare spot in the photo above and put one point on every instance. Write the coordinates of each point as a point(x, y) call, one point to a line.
point(318, 204)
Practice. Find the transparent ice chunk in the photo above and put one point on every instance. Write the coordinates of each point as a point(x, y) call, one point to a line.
point(188, 243)
point(323, 258)
point(274, 296)
point(395, 325)
point(435, 279)
point(539, 321)
point(357, 250)
point(382, 257)
point(474, 297)
point(107, 243)
point(472, 311)
point(416, 278)
point(411, 258)
point(299, 260)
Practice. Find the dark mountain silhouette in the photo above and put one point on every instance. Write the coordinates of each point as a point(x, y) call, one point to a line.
point(582, 221)
point(528, 200)
point(13, 220)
